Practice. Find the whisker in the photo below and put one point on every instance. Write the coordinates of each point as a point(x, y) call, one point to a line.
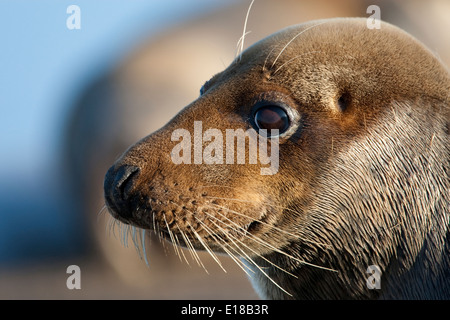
point(135, 240)
point(262, 257)
point(249, 201)
point(241, 48)
point(127, 233)
point(249, 248)
point(267, 57)
point(242, 265)
point(181, 250)
point(293, 38)
point(121, 236)
point(144, 251)
point(203, 266)
point(171, 238)
point(124, 233)
point(163, 243)
point(223, 231)
point(272, 226)
point(205, 227)
point(245, 234)
point(241, 39)
point(268, 245)
point(101, 212)
point(191, 248)
point(207, 248)
point(108, 225)
point(153, 221)
point(292, 59)
point(267, 276)
point(112, 227)
point(248, 258)
point(156, 229)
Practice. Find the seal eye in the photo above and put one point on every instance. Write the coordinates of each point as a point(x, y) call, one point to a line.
point(272, 117)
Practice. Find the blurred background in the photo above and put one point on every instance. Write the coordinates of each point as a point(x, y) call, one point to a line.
point(72, 100)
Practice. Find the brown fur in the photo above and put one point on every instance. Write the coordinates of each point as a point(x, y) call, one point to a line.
point(362, 181)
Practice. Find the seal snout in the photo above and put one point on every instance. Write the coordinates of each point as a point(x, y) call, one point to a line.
point(118, 184)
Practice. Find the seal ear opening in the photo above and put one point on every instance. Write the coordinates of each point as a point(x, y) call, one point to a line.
point(343, 101)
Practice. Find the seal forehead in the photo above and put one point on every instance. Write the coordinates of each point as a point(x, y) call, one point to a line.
point(380, 61)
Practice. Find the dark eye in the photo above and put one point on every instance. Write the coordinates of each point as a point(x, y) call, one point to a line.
point(272, 117)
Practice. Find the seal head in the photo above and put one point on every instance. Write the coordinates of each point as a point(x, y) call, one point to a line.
point(360, 192)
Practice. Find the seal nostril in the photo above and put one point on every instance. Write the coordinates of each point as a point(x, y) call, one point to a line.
point(123, 181)
point(117, 188)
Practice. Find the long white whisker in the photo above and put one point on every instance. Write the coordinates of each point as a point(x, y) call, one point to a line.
point(293, 38)
point(108, 225)
point(113, 227)
point(211, 233)
point(163, 243)
point(249, 201)
point(123, 240)
point(268, 277)
point(229, 235)
point(224, 246)
point(241, 48)
point(207, 248)
point(135, 238)
point(226, 234)
point(191, 248)
point(267, 57)
point(269, 225)
point(144, 251)
point(262, 257)
point(264, 243)
point(195, 234)
point(223, 243)
point(181, 250)
point(248, 258)
point(101, 212)
point(175, 248)
point(153, 221)
point(292, 59)
point(241, 39)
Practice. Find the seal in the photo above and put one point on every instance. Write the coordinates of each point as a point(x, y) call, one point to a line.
point(357, 207)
